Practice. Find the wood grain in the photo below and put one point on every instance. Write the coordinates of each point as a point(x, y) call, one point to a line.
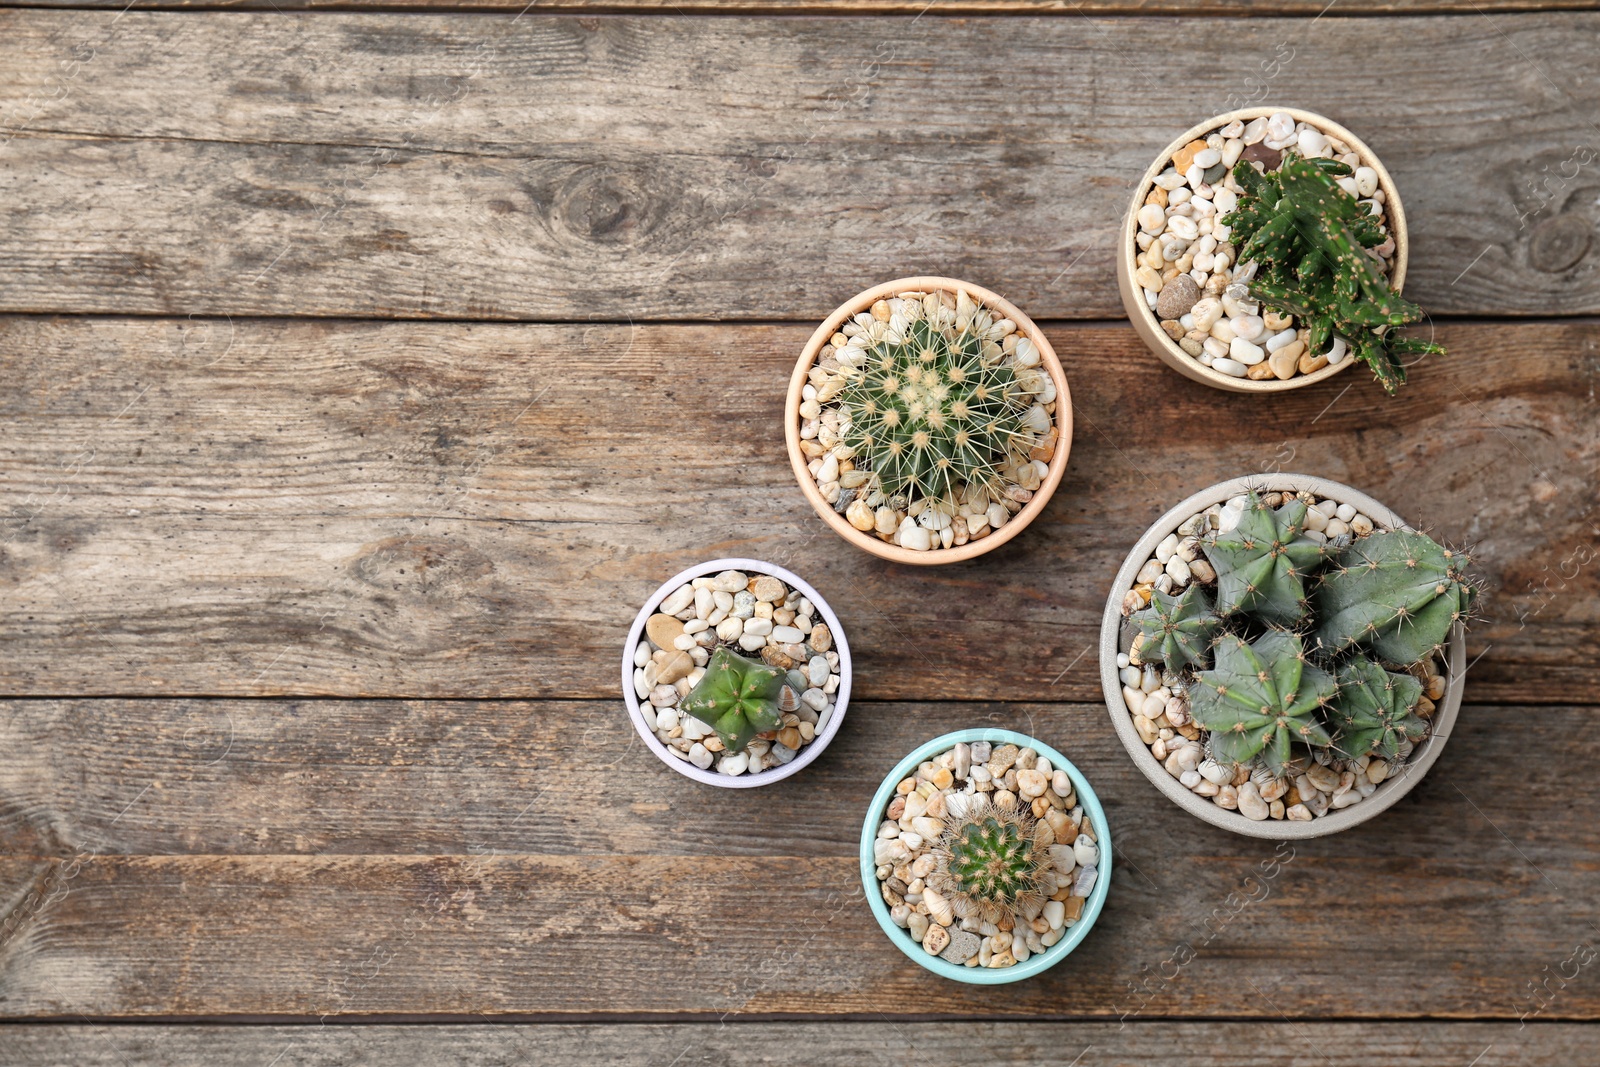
point(363, 509)
point(1007, 1044)
point(625, 169)
point(1085, 8)
point(178, 858)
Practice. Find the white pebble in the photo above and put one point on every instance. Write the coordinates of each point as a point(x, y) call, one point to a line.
point(1207, 158)
point(1281, 339)
point(735, 763)
point(1231, 367)
point(1337, 352)
point(1312, 142)
point(1245, 352)
point(700, 756)
point(1366, 181)
point(1152, 218)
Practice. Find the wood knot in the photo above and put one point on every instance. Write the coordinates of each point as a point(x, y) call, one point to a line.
point(428, 565)
point(1559, 243)
point(605, 205)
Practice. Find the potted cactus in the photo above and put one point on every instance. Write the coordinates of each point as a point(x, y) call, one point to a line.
point(736, 673)
point(985, 856)
point(1265, 250)
point(928, 420)
point(1283, 656)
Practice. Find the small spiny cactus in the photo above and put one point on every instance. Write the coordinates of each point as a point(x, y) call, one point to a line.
point(1261, 698)
point(933, 407)
point(1178, 630)
point(1262, 563)
point(1310, 238)
point(1373, 711)
point(737, 697)
point(1396, 592)
point(991, 861)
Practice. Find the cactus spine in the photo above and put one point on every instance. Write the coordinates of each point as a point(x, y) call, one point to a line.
point(933, 407)
point(1397, 593)
point(1262, 563)
point(737, 697)
point(990, 863)
point(1177, 629)
point(1261, 698)
point(1310, 238)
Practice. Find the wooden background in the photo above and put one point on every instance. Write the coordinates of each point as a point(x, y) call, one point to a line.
point(364, 369)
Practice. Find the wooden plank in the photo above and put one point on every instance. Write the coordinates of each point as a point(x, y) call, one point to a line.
point(1095, 8)
point(364, 509)
point(725, 168)
point(1008, 1044)
point(353, 857)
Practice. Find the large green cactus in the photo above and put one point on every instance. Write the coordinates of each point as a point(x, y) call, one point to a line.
point(1261, 698)
point(1262, 563)
point(1396, 592)
point(1373, 711)
point(990, 861)
point(1177, 629)
point(932, 408)
point(737, 697)
point(1310, 238)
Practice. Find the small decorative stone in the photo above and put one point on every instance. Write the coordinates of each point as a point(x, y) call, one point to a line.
point(663, 629)
point(1177, 298)
point(962, 947)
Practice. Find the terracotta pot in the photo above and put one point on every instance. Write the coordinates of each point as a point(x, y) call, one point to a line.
point(985, 975)
point(712, 776)
point(1144, 318)
point(1389, 790)
point(868, 542)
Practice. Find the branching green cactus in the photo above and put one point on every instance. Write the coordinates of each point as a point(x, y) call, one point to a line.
point(1177, 629)
point(1261, 698)
point(990, 862)
point(928, 411)
point(738, 698)
point(1396, 592)
point(1372, 713)
point(1309, 238)
point(1262, 563)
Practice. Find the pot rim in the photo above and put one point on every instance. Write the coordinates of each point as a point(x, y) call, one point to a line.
point(1389, 791)
point(895, 553)
point(1144, 319)
point(986, 975)
point(714, 777)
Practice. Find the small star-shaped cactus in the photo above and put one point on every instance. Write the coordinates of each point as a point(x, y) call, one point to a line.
point(1177, 629)
point(1372, 713)
point(1261, 698)
point(1262, 563)
point(737, 697)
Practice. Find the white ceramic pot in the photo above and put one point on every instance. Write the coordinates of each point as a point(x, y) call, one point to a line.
point(1388, 791)
point(712, 776)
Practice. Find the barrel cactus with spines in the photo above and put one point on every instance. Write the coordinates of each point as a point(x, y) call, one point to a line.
point(1178, 630)
point(1263, 562)
point(990, 861)
point(1374, 711)
point(1310, 240)
point(1261, 699)
point(1397, 593)
point(932, 408)
point(737, 697)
